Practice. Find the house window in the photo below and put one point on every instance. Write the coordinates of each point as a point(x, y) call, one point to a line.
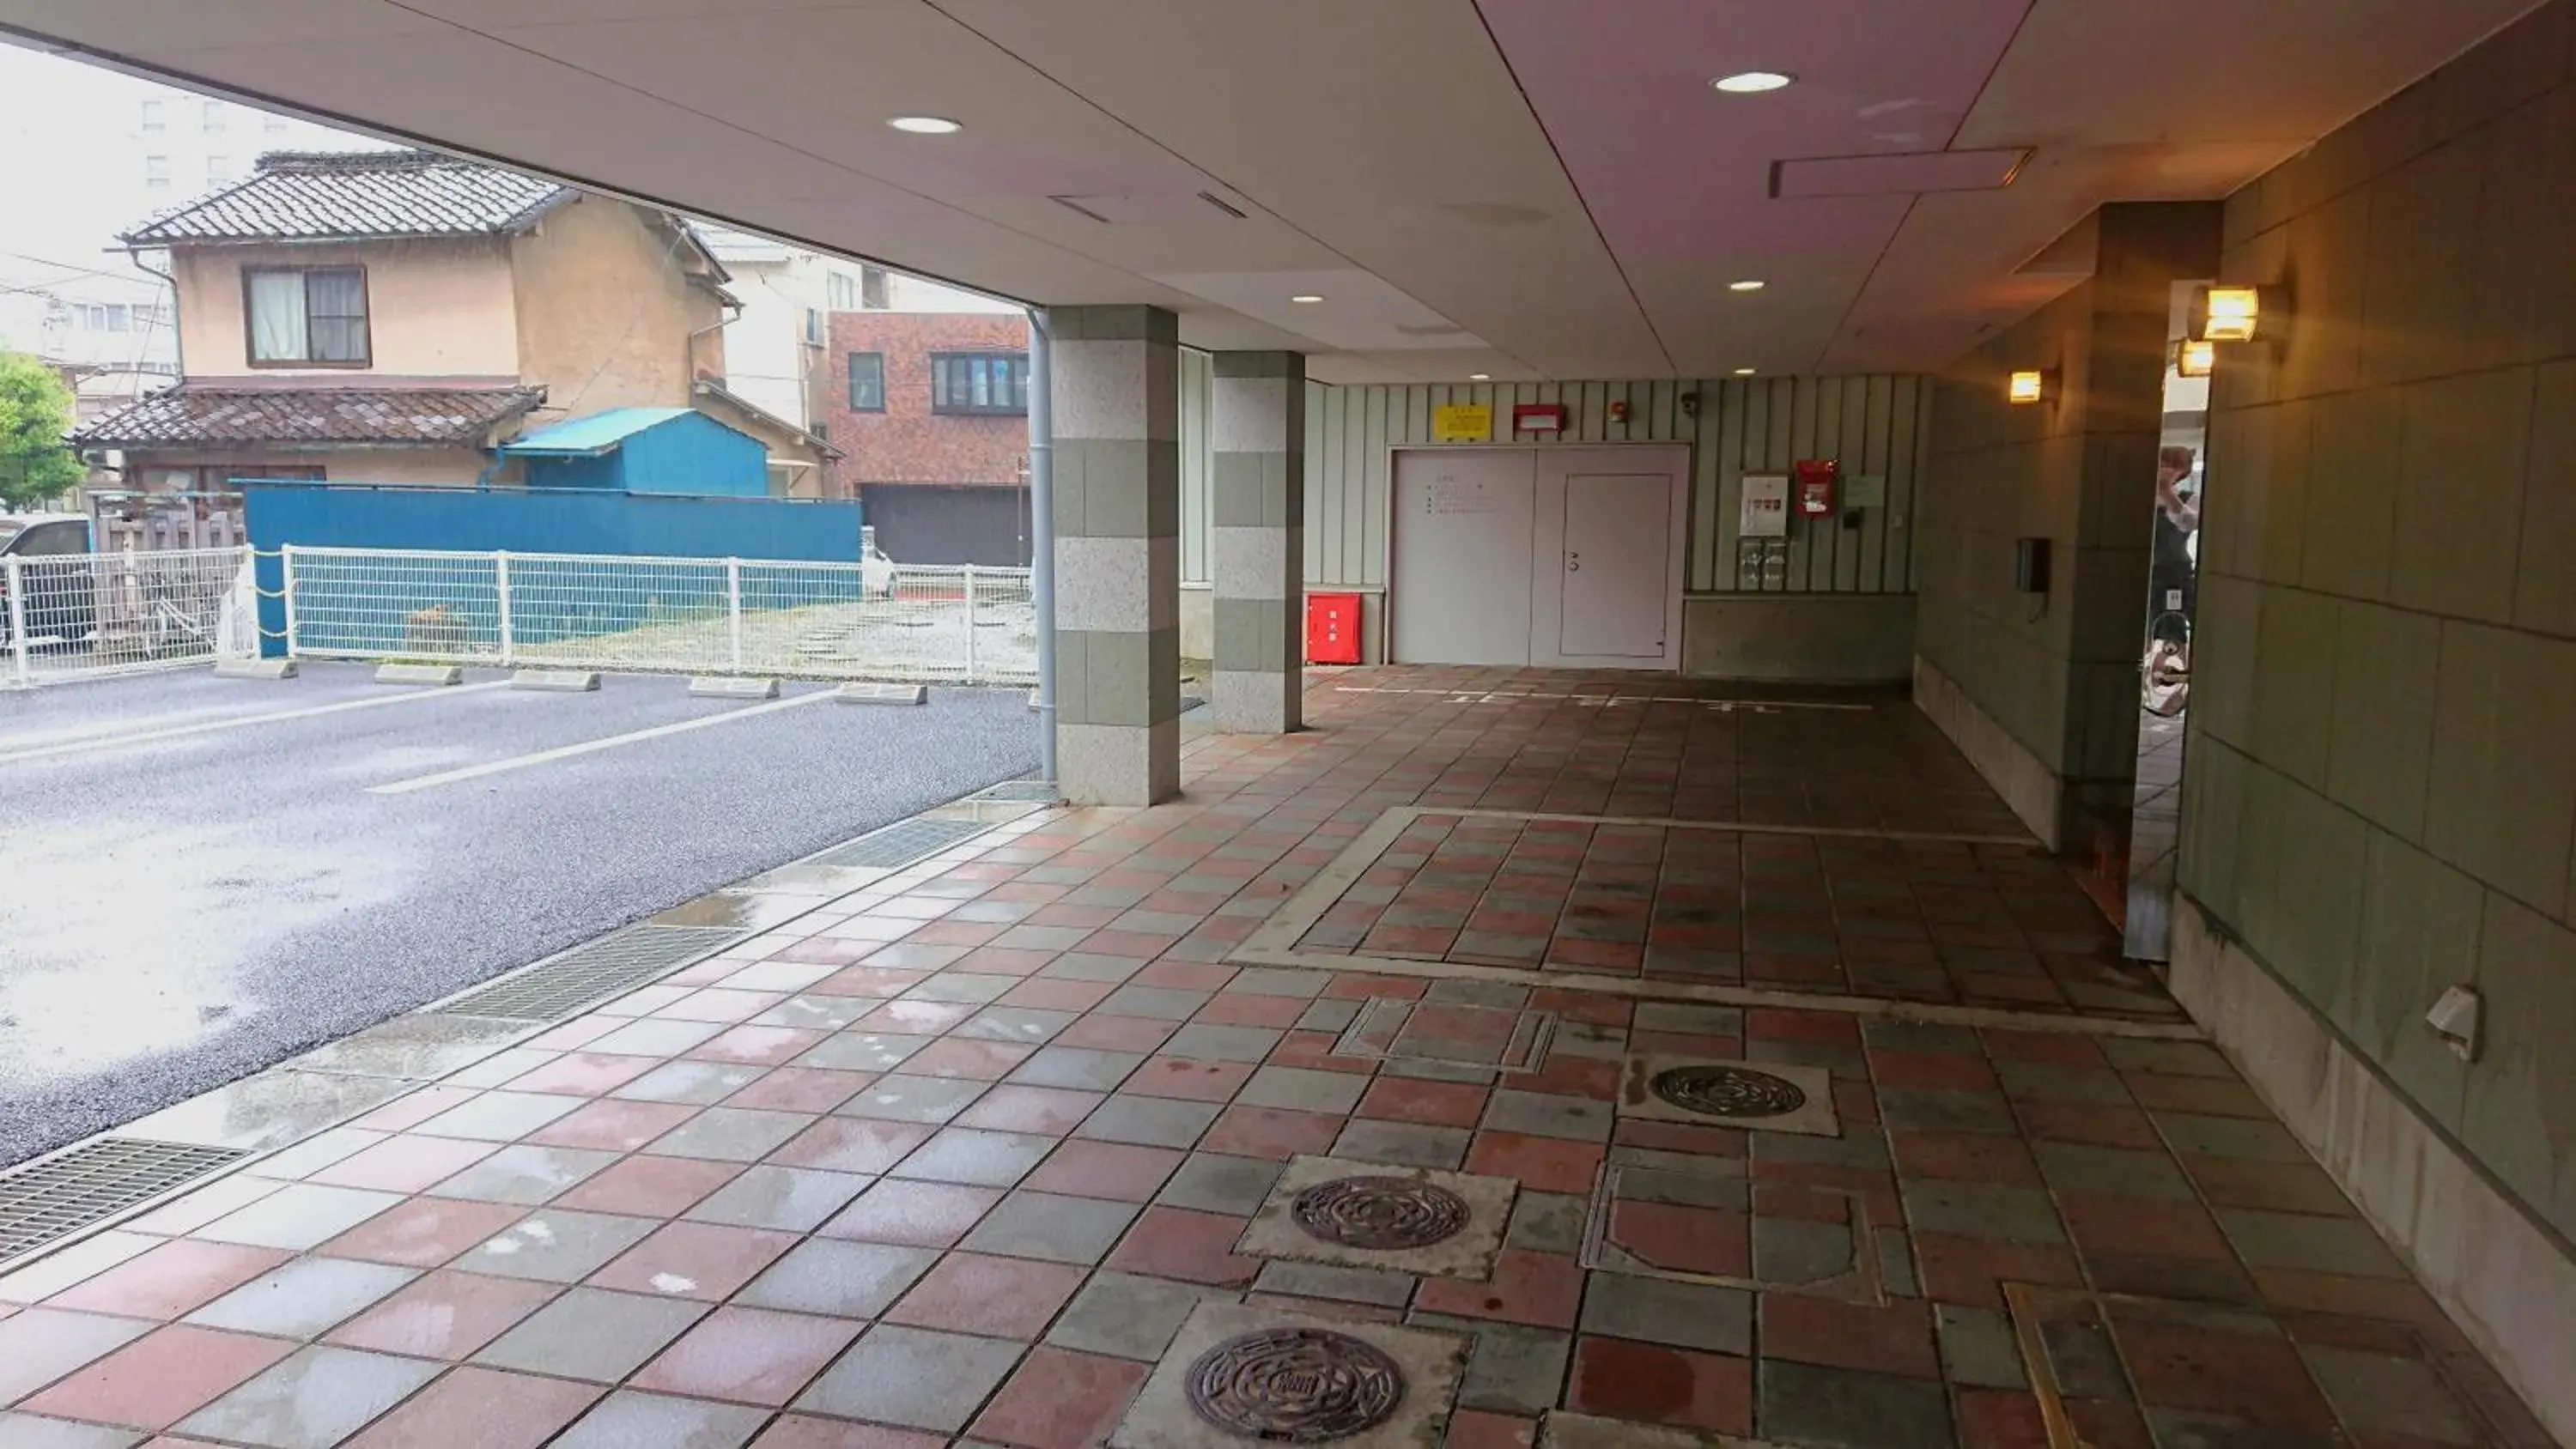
point(872, 289)
point(309, 315)
point(962, 382)
point(219, 170)
point(867, 382)
point(845, 292)
point(814, 326)
point(155, 115)
point(214, 118)
point(156, 173)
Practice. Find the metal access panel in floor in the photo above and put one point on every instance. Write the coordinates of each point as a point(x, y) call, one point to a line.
point(593, 972)
point(60, 1195)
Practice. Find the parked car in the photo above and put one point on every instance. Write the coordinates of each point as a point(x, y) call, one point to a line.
point(61, 602)
point(877, 574)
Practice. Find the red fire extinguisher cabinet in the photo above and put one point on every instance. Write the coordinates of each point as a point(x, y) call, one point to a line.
point(1332, 628)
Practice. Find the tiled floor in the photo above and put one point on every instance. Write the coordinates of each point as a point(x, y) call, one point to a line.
point(992, 1152)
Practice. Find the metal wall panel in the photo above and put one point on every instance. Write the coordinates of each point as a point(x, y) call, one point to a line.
point(1874, 424)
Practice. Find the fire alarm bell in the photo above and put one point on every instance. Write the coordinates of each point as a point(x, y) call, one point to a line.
point(1619, 412)
point(1816, 478)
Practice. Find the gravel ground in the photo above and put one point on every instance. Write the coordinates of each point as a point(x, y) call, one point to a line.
point(178, 913)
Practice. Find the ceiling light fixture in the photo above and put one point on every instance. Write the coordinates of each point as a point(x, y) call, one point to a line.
point(1752, 82)
point(1480, 377)
point(1749, 284)
point(1744, 372)
point(2031, 385)
point(926, 125)
point(1306, 299)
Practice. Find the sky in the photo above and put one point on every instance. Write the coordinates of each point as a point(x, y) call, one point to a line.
point(73, 149)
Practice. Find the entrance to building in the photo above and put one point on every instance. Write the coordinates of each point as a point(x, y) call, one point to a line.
point(1549, 556)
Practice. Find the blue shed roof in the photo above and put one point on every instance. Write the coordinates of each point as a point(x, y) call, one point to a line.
point(591, 436)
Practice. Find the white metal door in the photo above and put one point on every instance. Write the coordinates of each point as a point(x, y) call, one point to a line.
point(1460, 583)
point(1612, 601)
point(1606, 572)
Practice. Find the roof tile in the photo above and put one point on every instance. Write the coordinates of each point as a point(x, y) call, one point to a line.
point(200, 414)
point(330, 196)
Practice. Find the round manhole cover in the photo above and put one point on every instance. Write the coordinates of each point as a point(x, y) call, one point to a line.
point(1720, 1091)
point(1296, 1386)
point(1384, 1213)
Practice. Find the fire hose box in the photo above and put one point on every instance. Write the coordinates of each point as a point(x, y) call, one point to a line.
point(1332, 628)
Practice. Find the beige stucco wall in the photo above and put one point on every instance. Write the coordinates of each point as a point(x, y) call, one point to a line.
point(603, 313)
point(434, 308)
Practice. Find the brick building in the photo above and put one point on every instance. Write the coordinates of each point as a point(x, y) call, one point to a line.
point(931, 410)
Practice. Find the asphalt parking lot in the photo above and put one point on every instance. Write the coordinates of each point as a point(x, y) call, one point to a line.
point(200, 877)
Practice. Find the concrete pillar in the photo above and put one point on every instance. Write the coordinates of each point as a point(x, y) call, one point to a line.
point(1117, 404)
point(1259, 507)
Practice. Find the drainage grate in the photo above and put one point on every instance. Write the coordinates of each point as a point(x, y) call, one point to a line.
point(1020, 792)
point(91, 1183)
point(593, 972)
point(900, 844)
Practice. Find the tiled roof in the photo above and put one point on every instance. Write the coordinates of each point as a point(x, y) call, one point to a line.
point(196, 414)
point(347, 195)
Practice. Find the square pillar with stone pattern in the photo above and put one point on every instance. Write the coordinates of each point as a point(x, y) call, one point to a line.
point(1258, 426)
point(1117, 404)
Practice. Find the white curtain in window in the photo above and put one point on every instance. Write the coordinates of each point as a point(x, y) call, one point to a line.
point(337, 301)
point(277, 331)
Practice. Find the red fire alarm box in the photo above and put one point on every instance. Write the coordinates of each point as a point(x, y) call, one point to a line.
point(1815, 486)
point(1545, 419)
point(1332, 628)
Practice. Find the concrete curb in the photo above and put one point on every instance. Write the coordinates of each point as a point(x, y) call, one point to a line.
point(883, 694)
point(255, 669)
point(556, 681)
point(724, 686)
point(420, 674)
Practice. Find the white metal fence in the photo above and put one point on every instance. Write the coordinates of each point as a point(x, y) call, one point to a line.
point(964, 625)
point(77, 616)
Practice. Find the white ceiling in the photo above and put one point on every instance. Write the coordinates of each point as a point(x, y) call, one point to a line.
point(1527, 188)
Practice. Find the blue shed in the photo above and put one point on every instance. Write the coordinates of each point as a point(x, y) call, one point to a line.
point(645, 450)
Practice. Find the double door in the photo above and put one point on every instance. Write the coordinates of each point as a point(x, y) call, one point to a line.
point(1548, 556)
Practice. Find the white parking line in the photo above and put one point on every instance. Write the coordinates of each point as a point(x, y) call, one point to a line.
point(566, 752)
point(148, 737)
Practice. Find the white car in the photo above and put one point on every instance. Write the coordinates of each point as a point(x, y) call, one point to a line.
point(877, 573)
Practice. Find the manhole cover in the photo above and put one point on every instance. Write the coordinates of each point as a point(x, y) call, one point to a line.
point(1384, 1213)
point(1718, 1091)
point(91, 1183)
point(1296, 1386)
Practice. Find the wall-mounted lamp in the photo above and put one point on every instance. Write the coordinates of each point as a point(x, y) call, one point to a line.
point(2238, 314)
point(2031, 386)
point(2195, 357)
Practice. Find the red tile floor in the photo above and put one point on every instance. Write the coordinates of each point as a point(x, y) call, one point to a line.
point(956, 1160)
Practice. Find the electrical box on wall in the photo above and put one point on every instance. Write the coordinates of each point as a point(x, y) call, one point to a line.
point(2030, 565)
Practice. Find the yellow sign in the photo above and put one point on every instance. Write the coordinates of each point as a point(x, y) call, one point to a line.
point(1462, 423)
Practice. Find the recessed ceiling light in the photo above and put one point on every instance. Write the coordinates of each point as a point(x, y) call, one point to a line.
point(1480, 377)
point(1752, 82)
point(1305, 299)
point(926, 125)
point(1749, 284)
point(1744, 372)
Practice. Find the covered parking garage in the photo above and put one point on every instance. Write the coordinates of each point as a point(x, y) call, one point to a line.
point(1431, 252)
